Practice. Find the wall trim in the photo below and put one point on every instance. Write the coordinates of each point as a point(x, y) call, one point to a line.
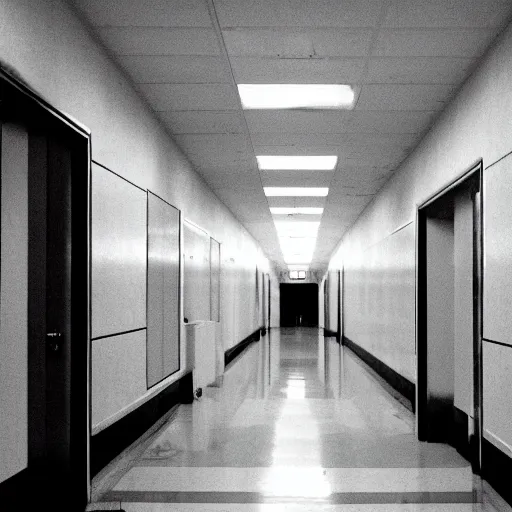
point(496, 469)
point(404, 386)
point(330, 334)
point(460, 436)
point(111, 441)
point(233, 352)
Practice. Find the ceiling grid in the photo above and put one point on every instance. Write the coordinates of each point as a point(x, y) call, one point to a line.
point(404, 59)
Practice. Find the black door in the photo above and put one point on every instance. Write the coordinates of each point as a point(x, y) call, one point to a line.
point(53, 190)
point(299, 304)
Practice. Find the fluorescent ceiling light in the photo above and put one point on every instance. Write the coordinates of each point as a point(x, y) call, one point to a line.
point(306, 210)
point(296, 191)
point(301, 229)
point(287, 96)
point(296, 163)
point(298, 267)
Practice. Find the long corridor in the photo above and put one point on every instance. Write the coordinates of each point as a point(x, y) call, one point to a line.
point(298, 424)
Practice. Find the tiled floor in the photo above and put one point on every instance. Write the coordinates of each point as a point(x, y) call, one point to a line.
point(298, 425)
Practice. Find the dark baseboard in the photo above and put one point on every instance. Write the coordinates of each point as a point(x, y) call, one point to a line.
point(231, 353)
point(394, 379)
point(38, 490)
point(109, 443)
point(460, 439)
point(330, 334)
point(496, 469)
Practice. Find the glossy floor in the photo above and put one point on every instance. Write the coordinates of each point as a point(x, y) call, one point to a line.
point(298, 424)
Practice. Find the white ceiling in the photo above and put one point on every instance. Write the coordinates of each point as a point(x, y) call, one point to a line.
point(405, 58)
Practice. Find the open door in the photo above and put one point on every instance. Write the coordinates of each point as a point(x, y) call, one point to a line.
point(44, 328)
point(449, 302)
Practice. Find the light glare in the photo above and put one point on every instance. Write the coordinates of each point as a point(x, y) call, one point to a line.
point(296, 163)
point(306, 210)
point(289, 96)
point(296, 191)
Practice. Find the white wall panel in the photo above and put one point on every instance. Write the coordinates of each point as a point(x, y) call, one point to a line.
point(118, 254)
point(463, 319)
point(498, 252)
point(380, 300)
point(118, 373)
point(196, 280)
point(164, 317)
point(13, 300)
point(333, 294)
point(497, 383)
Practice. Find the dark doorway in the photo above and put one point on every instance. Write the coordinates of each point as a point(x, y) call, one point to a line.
point(44, 241)
point(299, 304)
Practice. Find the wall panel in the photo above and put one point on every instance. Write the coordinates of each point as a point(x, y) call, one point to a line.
point(498, 251)
point(196, 279)
point(118, 373)
point(118, 232)
point(164, 322)
point(13, 300)
point(497, 384)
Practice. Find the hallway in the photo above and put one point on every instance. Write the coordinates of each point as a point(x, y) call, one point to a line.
point(296, 425)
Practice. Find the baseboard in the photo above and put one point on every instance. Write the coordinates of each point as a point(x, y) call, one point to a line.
point(460, 439)
point(233, 352)
point(496, 469)
point(330, 334)
point(404, 386)
point(110, 442)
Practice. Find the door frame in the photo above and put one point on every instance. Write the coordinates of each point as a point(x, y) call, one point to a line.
point(25, 105)
point(474, 172)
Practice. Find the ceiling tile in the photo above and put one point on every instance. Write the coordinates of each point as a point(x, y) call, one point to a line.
point(282, 71)
point(297, 43)
point(215, 142)
point(390, 121)
point(234, 180)
point(298, 122)
point(443, 13)
point(404, 97)
point(148, 69)
point(285, 178)
point(160, 41)
point(203, 121)
point(152, 13)
point(190, 96)
point(297, 13)
point(432, 42)
point(330, 139)
point(352, 176)
point(419, 70)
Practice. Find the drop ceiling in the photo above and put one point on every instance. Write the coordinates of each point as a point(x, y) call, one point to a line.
point(405, 59)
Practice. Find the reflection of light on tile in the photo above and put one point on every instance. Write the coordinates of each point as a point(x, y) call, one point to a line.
point(299, 482)
point(295, 388)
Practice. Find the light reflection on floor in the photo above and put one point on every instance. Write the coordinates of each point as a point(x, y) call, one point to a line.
point(298, 424)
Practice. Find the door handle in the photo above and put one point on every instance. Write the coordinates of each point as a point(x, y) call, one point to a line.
point(53, 341)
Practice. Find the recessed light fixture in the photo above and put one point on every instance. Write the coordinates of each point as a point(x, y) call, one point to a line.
point(296, 191)
point(297, 162)
point(288, 96)
point(300, 210)
point(298, 267)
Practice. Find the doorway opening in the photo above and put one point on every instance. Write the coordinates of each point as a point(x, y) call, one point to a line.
point(44, 329)
point(299, 304)
point(449, 313)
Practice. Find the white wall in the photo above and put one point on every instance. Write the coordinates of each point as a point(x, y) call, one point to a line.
point(475, 125)
point(48, 46)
